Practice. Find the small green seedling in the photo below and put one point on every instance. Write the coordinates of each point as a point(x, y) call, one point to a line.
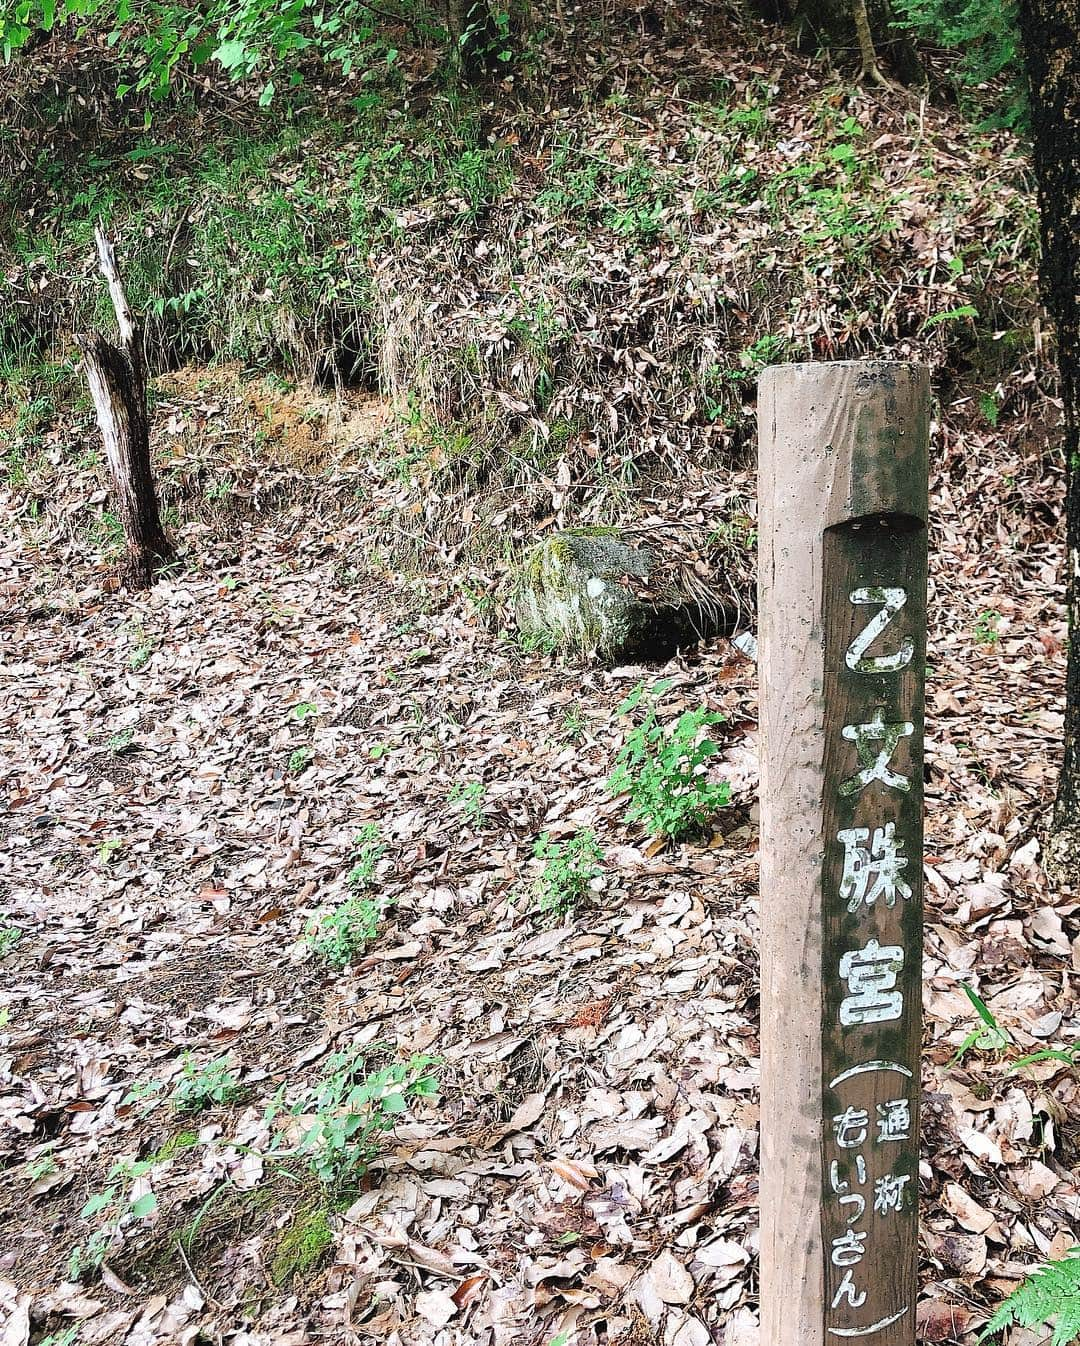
point(299, 761)
point(471, 799)
point(108, 849)
point(988, 1036)
point(305, 710)
point(662, 770)
point(211, 1085)
point(9, 937)
point(569, 868)
point(986, 627)
point(349, 1109)
point(368, 850)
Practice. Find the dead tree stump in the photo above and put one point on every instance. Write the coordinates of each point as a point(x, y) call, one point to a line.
point(117, 379)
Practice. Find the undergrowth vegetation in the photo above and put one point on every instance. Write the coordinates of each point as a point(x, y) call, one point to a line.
point(663, 769)
point(562, 310)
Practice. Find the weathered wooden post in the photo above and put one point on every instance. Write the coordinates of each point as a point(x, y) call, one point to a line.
point(842, 585)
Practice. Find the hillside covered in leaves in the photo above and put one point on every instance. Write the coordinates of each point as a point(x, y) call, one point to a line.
point(346, 995)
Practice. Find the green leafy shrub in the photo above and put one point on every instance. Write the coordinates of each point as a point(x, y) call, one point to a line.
point(1050, 1292)
point(662, 770)
point(213, 1084)
point(368, 850)
point(246, 38)
point(349, 1109)
point(986, 35)
point(342, 933)
point(569, 867)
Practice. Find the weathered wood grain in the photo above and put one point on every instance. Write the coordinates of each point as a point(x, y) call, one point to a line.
point(842, 527)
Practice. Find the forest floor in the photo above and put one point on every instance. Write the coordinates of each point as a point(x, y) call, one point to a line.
point(186, 772)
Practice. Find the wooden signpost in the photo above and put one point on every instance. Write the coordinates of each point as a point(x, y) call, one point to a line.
point(842, 589)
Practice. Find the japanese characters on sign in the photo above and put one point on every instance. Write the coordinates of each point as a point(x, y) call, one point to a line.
point(871, 946)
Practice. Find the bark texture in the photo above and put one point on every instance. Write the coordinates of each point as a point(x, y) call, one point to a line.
point(1050, 30)
point(475, 37)
point(117, 380)
point(865, 27)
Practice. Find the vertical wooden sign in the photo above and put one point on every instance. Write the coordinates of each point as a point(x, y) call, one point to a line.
point(842, 644)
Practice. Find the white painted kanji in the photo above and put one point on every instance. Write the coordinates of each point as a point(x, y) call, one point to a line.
point(894, 1120)
point(889, 1192)
point(874, 762)
point(891, 601)
point(870, 974)
point(872, 871)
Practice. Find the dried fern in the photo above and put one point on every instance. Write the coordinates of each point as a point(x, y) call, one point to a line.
point(1051, 1291)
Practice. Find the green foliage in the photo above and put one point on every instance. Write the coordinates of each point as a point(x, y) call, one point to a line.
point(340, 935)
point(348, 1110)
point(985, 35)
point(573, 726)
point(471, 798)
point(988, 1035)
point(367, 851)
point(9, 937)
point(110, 1209)
point(662, 770)
point(263, 39)
point(985, 629)
point(569, 867)
point(1050, 1294)
point(211, 1085)
point(299, 760)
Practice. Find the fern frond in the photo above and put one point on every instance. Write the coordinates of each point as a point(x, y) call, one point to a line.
point(1050, 1292)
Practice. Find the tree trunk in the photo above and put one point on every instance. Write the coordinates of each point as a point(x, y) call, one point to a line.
point(117, 382)
point(474, 38)
point(1050, 30)
point(865, 26)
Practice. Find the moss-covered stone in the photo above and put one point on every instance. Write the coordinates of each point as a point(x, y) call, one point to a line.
point(570, 594)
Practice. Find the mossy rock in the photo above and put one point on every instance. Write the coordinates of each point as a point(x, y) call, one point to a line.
point(587, 592)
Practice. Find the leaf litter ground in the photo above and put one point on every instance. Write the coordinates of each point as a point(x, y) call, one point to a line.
point(588, 1170)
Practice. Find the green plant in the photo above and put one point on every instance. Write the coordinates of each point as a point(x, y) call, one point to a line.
point(142, 645)
point(9, 937)
point(569, 868)
point(951, 315)
point(42, 1167)
point(348, 1110)
point(367, 851)
point(985, 629)
point(1069, 1056)
point(68, 1337)
point(471, 798)
point(108, 849)
point(341, 934)
point(988, 405)
point(985, 34)
point(299, 760)
point(1052, 1292)
point(662, 770)
point(113, 1210)
point(213, 1084)
point(988, 1036)
point(122, 741)
point(573, 726)
point(304, 711)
